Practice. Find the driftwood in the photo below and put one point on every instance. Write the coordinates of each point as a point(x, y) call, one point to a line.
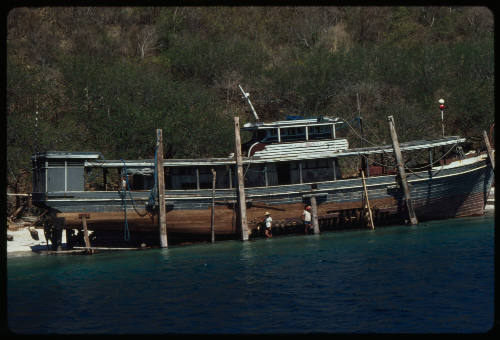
point(18, 210)
point(34, 234)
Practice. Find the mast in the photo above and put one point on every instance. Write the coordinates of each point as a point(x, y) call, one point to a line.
point(246, 96)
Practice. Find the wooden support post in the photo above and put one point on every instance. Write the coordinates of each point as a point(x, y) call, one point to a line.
point(162, 221)
point(104, 181)
point(334, 164)
point(266, 178)
point(212, 221)
point(401, 169)
point(86, 233)
point(300, 173)
point(314, 208)
point(490, 151)
point(367, 200)
point(197, 173)
point(241, 181)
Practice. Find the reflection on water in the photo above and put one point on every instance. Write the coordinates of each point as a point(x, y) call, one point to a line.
point(436, 277)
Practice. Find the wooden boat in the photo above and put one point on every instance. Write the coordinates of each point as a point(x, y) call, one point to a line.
point(285, 164)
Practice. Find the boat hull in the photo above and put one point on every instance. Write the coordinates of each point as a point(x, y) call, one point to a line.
point(451, 191)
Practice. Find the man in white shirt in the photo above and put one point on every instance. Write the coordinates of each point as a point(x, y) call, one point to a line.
point(268, 222)
point(307, 218)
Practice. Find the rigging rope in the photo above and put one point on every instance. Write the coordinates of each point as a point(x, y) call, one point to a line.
point(415, 168)
point(153, 195)
point(391, 156)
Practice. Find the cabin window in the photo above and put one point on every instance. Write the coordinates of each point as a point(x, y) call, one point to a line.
point(224, 177)
point(205, 177)
point(349, 167)
point(141, 182)
point(255, 175)
point(293, 134)
point(64, 175)
point(182, 178)
point(317, 170)
point(94, 179)
point(259, 135)
point(283, 173)
point(321, 132)
point(295, 172)
point(271, 135)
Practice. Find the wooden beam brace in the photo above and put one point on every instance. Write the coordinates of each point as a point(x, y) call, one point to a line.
point(241, 182)
point(401, 169)
point(490, 150)
point(314, 208)
point(85, 232)
point(367, 200)
point(162, 224)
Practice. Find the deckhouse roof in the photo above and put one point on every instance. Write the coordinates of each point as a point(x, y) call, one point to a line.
point(67, 155)
point(291, 123)
point(286, 155)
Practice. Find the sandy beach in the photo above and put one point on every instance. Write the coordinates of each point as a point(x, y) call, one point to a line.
point(23, 242)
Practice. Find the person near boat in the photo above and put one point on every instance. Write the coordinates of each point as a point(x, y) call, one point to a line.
point(268, 221)
point(307, 218)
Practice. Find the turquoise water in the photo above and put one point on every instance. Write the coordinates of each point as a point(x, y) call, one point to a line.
point(436, 277)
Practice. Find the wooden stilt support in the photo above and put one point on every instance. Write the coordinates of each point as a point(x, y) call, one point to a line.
point(241, 182)
point(86, 232)
point(401, 169)
point(162, 224)
point(212, 221)
point(367, 200)
point(490, 150)
point(314, 208)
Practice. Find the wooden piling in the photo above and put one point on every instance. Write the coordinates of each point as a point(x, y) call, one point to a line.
point(241, 182)
point(490, 150)
point(314, 208)
point(162, 221)
point(367, 200)
point(86, 233)
point(212, 220)
point(401, 170)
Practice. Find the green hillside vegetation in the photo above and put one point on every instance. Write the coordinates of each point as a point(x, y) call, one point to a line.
point(103, 78)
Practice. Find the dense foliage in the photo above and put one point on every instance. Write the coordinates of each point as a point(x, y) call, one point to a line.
point(103, 79)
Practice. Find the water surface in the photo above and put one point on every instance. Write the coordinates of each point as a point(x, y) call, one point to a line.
point(436, 277)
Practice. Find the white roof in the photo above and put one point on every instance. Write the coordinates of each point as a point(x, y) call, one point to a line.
point(291, 123)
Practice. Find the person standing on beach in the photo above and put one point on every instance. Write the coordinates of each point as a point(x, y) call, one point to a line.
point(306, 217)
point(268, 220)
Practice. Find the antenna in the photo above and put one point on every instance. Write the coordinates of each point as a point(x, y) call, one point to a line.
point(246, 96)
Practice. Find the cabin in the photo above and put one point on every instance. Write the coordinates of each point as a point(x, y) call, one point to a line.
point(60, 171)
point(293, 151)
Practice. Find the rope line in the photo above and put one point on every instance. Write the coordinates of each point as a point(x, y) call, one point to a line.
point(392, 157)
point(153, 195)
